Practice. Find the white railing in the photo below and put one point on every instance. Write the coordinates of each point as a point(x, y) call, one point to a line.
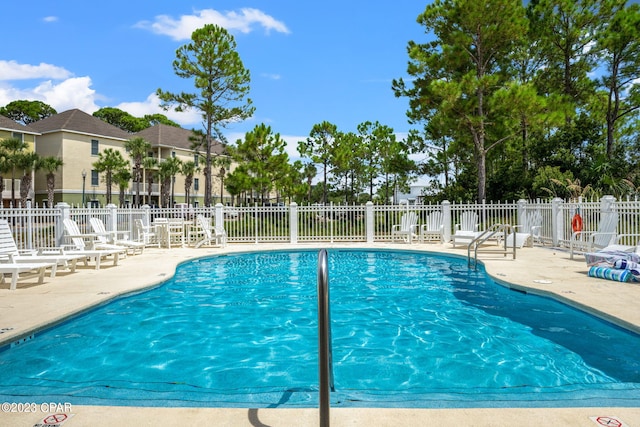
point(42, 227)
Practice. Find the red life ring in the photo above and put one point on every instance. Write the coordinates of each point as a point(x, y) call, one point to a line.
point(576, 223)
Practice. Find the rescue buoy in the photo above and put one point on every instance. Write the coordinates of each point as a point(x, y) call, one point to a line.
point(576, 223)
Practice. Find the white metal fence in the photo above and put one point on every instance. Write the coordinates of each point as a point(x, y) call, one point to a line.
point(42, 227)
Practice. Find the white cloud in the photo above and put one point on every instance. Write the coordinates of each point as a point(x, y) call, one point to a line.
point(50, 18)
point(242, 21)
point(71, 93)
point(11, 70)
point(151, 105)
point(271, 76)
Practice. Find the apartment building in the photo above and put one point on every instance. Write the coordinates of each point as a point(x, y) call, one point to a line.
point(78, 138)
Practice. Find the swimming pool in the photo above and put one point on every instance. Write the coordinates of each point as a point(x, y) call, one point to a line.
point(409, 330)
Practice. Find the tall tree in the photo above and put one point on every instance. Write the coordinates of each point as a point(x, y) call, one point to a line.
point(50, 165)
point(459, 72)
point(222, 83)
point(263, 154)
point(26, 112)
point(110, 162)
point(137, 149)
point(619, 44)
point(317, 147)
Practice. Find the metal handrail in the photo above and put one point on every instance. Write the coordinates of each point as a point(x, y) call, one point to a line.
point(325, 351)
point(486, 235)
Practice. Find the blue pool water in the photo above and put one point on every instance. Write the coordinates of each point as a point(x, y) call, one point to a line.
point(409, 329)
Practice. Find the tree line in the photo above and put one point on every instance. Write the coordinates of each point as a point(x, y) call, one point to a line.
point(514, 101)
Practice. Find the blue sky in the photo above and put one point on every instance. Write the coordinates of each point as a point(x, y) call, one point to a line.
point(309, 61)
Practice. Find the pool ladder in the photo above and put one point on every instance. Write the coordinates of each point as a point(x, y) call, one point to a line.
point(325, 351)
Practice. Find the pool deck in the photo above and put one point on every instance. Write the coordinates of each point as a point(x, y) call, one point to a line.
point(538, 270)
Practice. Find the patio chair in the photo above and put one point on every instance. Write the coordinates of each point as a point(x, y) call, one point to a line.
point(170, 231)
point(406, 229)
point(79, 246)
point(107, 238)
point(588, 241)
point(433, 228)
point(526, 233)
point(9, 251)
point(210, 235)
point(146, 234)
point(466, 229)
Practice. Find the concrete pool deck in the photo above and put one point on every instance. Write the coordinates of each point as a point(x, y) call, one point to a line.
point(540, 270)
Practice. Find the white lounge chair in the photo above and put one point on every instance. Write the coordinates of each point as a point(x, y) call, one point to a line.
point(466, 229)
point(433, 228)
point(15, 268)
point(210, 235)
point(9, 250)
point(589, 241)
point(106, 238)
point(79, 246)
point(407, 229)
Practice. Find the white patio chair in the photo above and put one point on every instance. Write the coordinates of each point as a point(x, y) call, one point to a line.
point(527, 231)
point(466, 229)
point(433, 228)
point(588, 241)
point(146, 234)
point(88, 249)
point(210, 235)
point(107, 238)
point(407, 229)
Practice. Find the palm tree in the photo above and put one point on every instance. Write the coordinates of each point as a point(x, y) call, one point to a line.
point(188, 169)
point(137, 149)
point(148, 164)
point(167, 173)
point(110, 161)
point(13, 147)
point(50, 165)
point(28, 162)
point(122, 178)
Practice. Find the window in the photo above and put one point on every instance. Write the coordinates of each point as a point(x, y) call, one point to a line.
point(196, 184)
point(94, 147)
point(18, 135)
point(173, 154)
point(95, 181)
point(195, 159)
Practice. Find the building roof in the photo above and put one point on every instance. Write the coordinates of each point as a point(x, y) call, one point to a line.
point(7, 124)
point(162, 135)
point(79, 122)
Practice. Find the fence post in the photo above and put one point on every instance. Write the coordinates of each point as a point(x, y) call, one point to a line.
point(293, 222)
point(369, 223)
point(29, 225)
point(557, 223)
point(446, 220)
point(146, 215)
point(65, 212)
point(522, 210)
point(219, 215)
point(112, 219)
